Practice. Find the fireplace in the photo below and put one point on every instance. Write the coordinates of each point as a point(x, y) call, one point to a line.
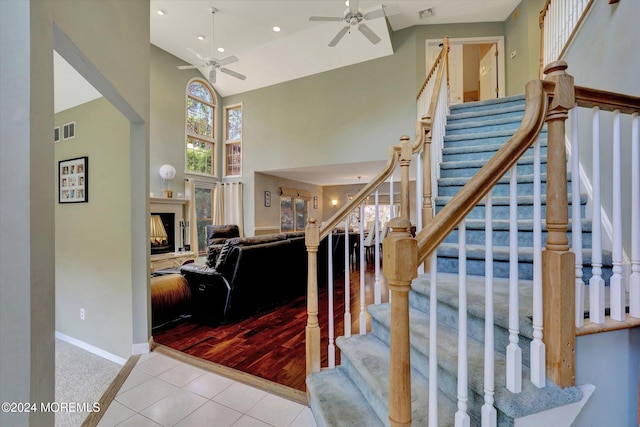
point(163, 233)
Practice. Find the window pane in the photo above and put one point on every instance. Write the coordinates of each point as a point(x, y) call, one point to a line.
point(234, 124)
point(200, 91)
point(203, 197)
point(234, 159)
point(199, 118)
point(199, 156)
point(286, 214)
point(301, 221)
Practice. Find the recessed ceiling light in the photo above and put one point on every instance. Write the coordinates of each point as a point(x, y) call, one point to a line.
point(220, 49)
point(201, 37)
point(161, 12)
point(276, 29)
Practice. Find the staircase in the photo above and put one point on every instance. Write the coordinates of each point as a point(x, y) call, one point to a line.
point(356, 392)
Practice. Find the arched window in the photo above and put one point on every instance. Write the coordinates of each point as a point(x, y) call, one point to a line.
point(200, 129)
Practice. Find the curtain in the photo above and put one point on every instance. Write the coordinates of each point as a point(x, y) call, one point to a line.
point(232, 200)
point(218, 205)
point(190, 192)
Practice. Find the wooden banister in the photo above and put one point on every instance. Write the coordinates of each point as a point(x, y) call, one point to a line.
point(476, 189)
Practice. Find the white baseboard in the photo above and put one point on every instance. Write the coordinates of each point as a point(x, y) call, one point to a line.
point(91, 349)
point(142, 348)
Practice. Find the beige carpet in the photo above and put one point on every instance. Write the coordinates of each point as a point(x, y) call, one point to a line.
point(82, 378)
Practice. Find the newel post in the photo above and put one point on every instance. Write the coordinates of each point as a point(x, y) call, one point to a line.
point(558, 262)
point(400, 265)
point(312, 241)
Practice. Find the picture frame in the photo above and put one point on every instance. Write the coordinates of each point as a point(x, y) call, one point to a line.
point(73, 180)
point(267, 199)
point(315, 202)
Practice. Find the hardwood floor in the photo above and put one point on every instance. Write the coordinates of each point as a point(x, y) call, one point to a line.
point(271, 345)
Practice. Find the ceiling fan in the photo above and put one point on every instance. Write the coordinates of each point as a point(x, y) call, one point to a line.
point(215, 64)
point(353, 16)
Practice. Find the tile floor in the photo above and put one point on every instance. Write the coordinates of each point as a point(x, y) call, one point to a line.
point(162, 391)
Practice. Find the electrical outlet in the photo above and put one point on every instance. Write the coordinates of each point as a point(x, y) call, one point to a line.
point(82, 314)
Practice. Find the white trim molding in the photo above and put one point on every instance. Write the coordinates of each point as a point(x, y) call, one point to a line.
point(91, 349)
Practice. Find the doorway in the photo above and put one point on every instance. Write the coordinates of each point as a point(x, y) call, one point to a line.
point(476, 67)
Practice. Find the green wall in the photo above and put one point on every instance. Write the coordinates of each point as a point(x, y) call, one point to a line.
point(93, 268)
point(522, 35)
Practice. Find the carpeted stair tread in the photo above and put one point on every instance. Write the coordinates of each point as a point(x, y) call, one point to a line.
point(488, 125)
point(457, 181)
point(478, 163)
point(531, 400)
point(488, 104)
point(504, 201)
point(462, 149)
point(366, 359)
point(336, 401)
point(512, 111)
point(476, 135)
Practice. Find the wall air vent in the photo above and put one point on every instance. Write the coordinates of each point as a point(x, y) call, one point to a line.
point(69, 130)
point(56, 134)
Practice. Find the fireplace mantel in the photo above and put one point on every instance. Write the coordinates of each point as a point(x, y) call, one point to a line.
point(166, 200)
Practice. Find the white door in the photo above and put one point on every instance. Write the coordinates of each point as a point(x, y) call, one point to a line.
point(455, 69)
point(489, 74)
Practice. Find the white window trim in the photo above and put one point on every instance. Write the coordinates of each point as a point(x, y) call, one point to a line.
point(224, 150)
point(187, 134)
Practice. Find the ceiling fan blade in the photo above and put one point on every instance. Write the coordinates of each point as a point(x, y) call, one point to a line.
point(353, 5)
point(339, 36)
point(382, 11)
point(187, 67)
point(233, 73)
point(326, 18)
point(212, 76)
point(228, 60)
point(200, 57)
point(368, 33)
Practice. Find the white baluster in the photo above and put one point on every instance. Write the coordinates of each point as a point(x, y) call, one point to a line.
point(392, 206)
point(514, 352)
point(433, 342)
point(489, 414)
point(634, 279)
point(537, 347)
point(618, 297)
point(596, 283)
point(376, 241)
point(576, 217)
point(347, 262)
point(462, 417)
point(363, 264)
point(332, 348)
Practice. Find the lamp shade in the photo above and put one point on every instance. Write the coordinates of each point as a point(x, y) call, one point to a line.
point(157, 232)
point(167, 172)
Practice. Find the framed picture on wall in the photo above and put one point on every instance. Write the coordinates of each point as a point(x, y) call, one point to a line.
point(73, 180)
point(267, 199)
point(315, 202)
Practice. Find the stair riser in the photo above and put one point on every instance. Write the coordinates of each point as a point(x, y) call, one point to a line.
point(501, 189)
point(502, 212)
point(484, 155)
point(456, 119)
point(482, 128)
point(466, 108)
point(501, 238)
point(454, 172)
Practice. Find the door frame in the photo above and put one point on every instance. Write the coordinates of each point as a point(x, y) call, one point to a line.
point(498, 40)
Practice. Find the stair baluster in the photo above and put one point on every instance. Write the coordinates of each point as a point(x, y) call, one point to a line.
point(618, 297)
point(514, 352)
point(462, 417)
point(331, 350)
point(576, 224)
point(634, 280)
point(489, 413)
point(537, 347)
point(596, 283)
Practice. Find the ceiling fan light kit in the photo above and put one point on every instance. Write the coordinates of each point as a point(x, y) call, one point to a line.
point(213, 62)
point(354, 17)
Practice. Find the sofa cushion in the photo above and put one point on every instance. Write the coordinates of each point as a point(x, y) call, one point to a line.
point(224, 251)
point(219, 233)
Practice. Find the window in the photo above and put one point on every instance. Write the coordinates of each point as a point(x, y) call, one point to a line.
point(233, 140)
point(200, 129)
point(293, 213)
point(204, 212)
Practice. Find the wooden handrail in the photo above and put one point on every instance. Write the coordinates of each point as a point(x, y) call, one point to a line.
point(476, 189)
point(433, 67)
point(607, 101)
